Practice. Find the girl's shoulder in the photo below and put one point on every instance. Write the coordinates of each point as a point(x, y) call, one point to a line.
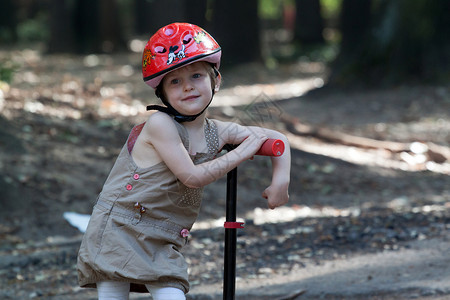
point(158, 117)
point(160, 121)
point(159, 126)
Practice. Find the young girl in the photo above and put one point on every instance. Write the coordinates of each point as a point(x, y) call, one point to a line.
point(152, 196)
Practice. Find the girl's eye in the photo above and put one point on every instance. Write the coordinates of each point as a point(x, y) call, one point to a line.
point(174, 81)
point(197, 75)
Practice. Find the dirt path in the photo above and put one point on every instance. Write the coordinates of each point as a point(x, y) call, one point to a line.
point(420, 271)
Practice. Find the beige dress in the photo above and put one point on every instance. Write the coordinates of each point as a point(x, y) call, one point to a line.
point(134, 234)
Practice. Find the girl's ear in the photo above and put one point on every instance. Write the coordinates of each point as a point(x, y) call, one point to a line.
point(218, 82)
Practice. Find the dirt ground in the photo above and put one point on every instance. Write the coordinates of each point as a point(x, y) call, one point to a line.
point(362, 222)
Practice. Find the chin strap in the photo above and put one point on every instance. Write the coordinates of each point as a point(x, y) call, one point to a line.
point(176, 115)
point(168, 109)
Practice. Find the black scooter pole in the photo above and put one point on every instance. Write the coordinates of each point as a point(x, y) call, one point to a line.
point(229, 274)
point(271, 147)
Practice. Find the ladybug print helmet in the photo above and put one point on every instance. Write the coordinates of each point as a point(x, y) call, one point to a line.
point(174, 46)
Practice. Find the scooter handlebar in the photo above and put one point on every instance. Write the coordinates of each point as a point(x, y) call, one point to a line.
point(271, 147)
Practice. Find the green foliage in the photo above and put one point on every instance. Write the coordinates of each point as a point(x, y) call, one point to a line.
point(34, 30)
point(271, 10)
point(7, 69)
point(6, 34)
point(325, 53)
point(330, 8)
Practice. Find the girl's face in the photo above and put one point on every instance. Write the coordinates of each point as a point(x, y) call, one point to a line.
point(188, 89)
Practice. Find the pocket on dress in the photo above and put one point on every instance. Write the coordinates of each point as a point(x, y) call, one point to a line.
point(97, 225)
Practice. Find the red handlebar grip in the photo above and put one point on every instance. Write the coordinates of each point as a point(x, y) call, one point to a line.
point(271, 147)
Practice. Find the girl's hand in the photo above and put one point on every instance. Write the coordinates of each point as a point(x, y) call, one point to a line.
point(251, 145)
point(276, 195)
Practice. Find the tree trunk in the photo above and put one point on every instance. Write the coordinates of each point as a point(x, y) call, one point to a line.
point(236, 29)
point(86, 26)
point(152, 15)
point(392, 42)
point(354, 22)
point(354, 25)
point(143, 24)
point(90, 26)
point(196, 12)
point(308, 22)
point(111, 36)
point(61, 30)
point(165, 12)
point(8, 21)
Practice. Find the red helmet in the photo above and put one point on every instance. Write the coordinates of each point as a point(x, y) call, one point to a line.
point(174, 46)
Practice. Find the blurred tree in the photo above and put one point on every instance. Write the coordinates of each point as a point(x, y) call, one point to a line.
point(392, 41)
point(110, 27)
point(156, 14)
point(142, 24)
point(86, 26)
point(196, 12)
point(355, 26)
point(152, 15)
point(236, 28)
point(8, 21)
point(308, 22)
point(355, 23)
point(62, 33)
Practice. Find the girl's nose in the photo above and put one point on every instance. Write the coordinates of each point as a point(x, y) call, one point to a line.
point(188, 86)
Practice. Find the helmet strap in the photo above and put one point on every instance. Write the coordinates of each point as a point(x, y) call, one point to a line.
point(168, 109)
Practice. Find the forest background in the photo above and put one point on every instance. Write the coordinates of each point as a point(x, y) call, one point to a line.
point(360, 87)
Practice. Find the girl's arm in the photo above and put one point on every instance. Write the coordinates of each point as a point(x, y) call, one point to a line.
point(277, 193)
point(164, 137)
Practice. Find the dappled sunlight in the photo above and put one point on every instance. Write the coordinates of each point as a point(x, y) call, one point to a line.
point(405, 161)
point(71, 87)
point(385, 249)
point(289, 214)
point(282, 214)
point(64, 86)
point(364, 274)
point(104, 87)
point(286, 214)
point(245, 94)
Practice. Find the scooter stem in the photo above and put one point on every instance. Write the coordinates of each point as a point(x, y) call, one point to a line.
point(271, 147)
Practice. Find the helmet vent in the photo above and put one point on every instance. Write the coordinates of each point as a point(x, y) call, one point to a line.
point(187, 39)
point(169, 31)
point(160, 49)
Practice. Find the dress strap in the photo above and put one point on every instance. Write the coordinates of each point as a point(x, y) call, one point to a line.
point(136, 131)
point(133, 136)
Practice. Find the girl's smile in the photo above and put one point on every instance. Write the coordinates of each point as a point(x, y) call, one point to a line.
point(190, 98)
